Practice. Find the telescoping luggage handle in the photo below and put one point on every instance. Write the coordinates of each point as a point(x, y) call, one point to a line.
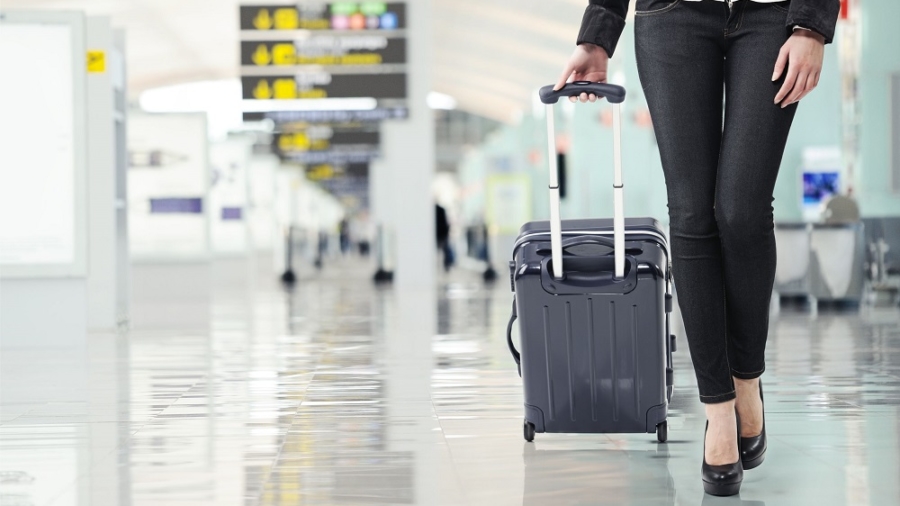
point(615, 95)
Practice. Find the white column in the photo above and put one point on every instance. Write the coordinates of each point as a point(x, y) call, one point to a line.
point(107, 263)
point(407, 168)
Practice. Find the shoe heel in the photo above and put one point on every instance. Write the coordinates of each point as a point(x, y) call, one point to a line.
point(722, 489)
point(753, 449)
point(754, 463)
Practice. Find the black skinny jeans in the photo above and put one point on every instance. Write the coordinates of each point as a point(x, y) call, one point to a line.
point(719, 178)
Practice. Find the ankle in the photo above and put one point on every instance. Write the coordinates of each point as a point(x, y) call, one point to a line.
point(746, 392)
point(746, 384)
point(720, 411)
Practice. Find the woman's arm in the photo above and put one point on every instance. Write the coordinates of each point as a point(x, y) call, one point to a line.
point(804, 51)
point(603, 23)
point(819, 16)
point(601, 27)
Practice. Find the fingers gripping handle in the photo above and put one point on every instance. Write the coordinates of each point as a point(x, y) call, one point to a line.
point(613, 93)
point(618, 186)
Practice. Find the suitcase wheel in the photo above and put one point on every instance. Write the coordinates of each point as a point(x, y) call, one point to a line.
point(662, 431)
point(529, 431)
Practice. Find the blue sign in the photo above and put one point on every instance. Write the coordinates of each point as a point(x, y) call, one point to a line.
point(176, 205)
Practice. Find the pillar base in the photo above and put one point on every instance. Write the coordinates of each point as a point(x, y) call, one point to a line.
point(289, 277)
point(383, 276)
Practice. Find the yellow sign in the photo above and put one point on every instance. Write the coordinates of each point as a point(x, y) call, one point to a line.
point(299, 141)
point(320, 172)
point(261, 55)
point(284, 54)
point(287, 18)
point(262, 90)
point(262, 21)
point(96, 61)
point(284, 88)
point(293, 142)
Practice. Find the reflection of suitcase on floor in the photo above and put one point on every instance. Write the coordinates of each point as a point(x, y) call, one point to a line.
point(593, 301)
point(569, 473)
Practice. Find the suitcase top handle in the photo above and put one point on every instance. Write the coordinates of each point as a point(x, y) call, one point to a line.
point(613, 93)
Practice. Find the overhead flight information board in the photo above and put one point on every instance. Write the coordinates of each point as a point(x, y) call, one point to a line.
point(329, 50)
point(290, 53)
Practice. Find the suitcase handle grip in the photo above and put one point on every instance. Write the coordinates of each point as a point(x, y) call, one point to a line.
point(509, 342)
point(584, 275)
point(613, 93)
point(631, 247)
point(584, 239)
point(603, 241)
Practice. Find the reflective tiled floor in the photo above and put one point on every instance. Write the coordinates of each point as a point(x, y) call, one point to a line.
point(232, 391)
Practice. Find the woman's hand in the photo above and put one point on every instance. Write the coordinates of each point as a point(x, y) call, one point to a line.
point(802, 54)
point(587, 63)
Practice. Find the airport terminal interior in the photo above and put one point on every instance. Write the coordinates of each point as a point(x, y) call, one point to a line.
point(257, 252)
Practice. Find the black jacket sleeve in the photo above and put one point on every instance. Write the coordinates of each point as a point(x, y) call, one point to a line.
point(817, 15)
point(604, 21)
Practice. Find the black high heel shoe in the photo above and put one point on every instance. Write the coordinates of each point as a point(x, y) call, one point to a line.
point(721, 480)
point(753, 449)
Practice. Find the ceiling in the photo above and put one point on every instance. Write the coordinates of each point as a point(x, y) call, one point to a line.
point(490, 55)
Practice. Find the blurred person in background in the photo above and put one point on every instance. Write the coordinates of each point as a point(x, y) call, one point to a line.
point(344, 235)
point(719, 177)
point(442, 230)
point(360, 232)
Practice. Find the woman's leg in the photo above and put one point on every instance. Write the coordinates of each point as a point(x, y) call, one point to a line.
point(680, 57)
point(755, 133)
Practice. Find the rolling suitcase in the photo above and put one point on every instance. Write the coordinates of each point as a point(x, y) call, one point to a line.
point(593, 299)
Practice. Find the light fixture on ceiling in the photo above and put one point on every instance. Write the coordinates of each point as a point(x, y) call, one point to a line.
point(441, 101)
point(195, 96)
point(219, 99)
point(222, 103)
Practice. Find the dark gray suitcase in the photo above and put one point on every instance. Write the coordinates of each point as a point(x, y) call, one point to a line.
point(593, 301)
